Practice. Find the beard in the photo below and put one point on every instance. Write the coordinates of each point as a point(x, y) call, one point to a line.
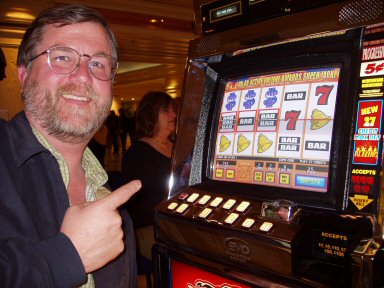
point(68, 124)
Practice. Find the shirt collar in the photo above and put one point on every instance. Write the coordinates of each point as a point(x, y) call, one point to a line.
point(94, 172)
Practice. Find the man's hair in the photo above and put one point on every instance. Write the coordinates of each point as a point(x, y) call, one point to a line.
point(60, 16)
point(148, 111)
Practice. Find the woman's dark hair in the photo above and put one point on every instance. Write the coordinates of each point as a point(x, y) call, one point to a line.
point(148, 111)
point(61, 16)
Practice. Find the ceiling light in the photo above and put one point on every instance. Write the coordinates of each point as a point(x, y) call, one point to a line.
point(20, 15)
point(13, 31)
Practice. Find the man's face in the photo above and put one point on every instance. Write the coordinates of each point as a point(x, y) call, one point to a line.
point(70, 107)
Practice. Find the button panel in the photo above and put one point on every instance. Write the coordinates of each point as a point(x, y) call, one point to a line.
point(237, 213)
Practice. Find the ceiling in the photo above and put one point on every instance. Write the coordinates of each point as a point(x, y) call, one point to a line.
point(153, 37)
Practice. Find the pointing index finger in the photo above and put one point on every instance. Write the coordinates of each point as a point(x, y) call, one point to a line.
point(122, 194)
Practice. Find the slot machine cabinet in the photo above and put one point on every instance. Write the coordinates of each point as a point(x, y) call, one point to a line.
point(277, 173)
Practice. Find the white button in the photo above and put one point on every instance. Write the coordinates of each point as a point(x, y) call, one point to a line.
point(247, 223)
point(216, 202)
point(172, 205)
point(231, 218)
point(243, 206)
point(205, 213)
point(204, 199)
point(193, 197)
point(182, 208)
point(229, 204)
point(266, 226)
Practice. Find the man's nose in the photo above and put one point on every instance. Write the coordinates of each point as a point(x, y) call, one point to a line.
point(83, 69)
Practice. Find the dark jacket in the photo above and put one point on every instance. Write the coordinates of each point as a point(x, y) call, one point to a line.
point(33, 201)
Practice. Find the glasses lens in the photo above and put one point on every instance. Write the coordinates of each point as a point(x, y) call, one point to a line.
point(103, 66)
point(63, 60)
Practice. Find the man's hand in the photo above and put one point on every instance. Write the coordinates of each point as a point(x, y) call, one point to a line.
point(95, 227)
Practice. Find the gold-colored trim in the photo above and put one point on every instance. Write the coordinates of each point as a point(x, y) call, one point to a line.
point(255, 2)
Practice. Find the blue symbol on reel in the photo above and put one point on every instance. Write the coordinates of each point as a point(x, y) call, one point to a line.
point(231, 101)
point(271, 98)
point(249, 99)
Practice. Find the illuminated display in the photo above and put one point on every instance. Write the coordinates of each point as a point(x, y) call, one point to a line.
point(368, 132)
point(225, 12)
point(276, 129)
point(187, 276)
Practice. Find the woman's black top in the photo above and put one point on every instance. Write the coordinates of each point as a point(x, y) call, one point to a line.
point(141, 161)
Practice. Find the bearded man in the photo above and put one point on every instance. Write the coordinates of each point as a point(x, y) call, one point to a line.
point(59, 224)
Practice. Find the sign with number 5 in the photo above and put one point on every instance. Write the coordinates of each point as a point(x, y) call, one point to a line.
point(372, 68)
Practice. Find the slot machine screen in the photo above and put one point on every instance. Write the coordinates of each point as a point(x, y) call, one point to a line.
point(276, 129)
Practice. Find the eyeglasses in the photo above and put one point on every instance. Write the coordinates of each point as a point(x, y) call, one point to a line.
point(65, 60)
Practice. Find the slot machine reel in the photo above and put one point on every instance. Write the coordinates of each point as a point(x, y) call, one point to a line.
point(281, 209)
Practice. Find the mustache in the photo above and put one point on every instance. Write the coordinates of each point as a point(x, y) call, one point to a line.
point(77, 89)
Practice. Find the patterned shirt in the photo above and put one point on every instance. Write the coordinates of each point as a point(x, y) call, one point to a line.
point(95, 175)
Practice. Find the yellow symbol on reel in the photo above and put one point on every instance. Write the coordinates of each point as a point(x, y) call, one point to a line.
point(224, 143)
point(319, 119)
point(263, 143)
point(242, 143)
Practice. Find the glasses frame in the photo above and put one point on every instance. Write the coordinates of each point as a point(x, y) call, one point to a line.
point(78, 63)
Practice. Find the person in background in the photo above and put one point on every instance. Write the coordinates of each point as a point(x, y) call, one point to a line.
point(149, 159)
point(113, 130)
point(59, 225)
point(131, 128)
point(123, 129)
point(3, 65)
point(98, 144)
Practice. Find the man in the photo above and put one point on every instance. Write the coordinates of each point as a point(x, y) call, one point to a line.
point(59, 227)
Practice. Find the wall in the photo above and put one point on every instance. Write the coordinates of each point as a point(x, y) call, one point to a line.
point(10, 96)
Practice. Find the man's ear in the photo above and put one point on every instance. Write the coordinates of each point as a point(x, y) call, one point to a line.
point(22, 72)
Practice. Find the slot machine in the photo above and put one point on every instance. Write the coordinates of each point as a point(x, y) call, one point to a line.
point(277, 173)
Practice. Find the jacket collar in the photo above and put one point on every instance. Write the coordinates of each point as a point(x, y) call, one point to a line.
point(25, 142)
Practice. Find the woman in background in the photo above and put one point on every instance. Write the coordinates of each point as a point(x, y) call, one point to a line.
point(98, 144)
point(149, 160)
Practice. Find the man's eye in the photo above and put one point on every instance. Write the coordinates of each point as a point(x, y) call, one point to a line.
point(96, 64)
point(62, 58)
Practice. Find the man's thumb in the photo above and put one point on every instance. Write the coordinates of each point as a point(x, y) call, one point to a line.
point(122, 194)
